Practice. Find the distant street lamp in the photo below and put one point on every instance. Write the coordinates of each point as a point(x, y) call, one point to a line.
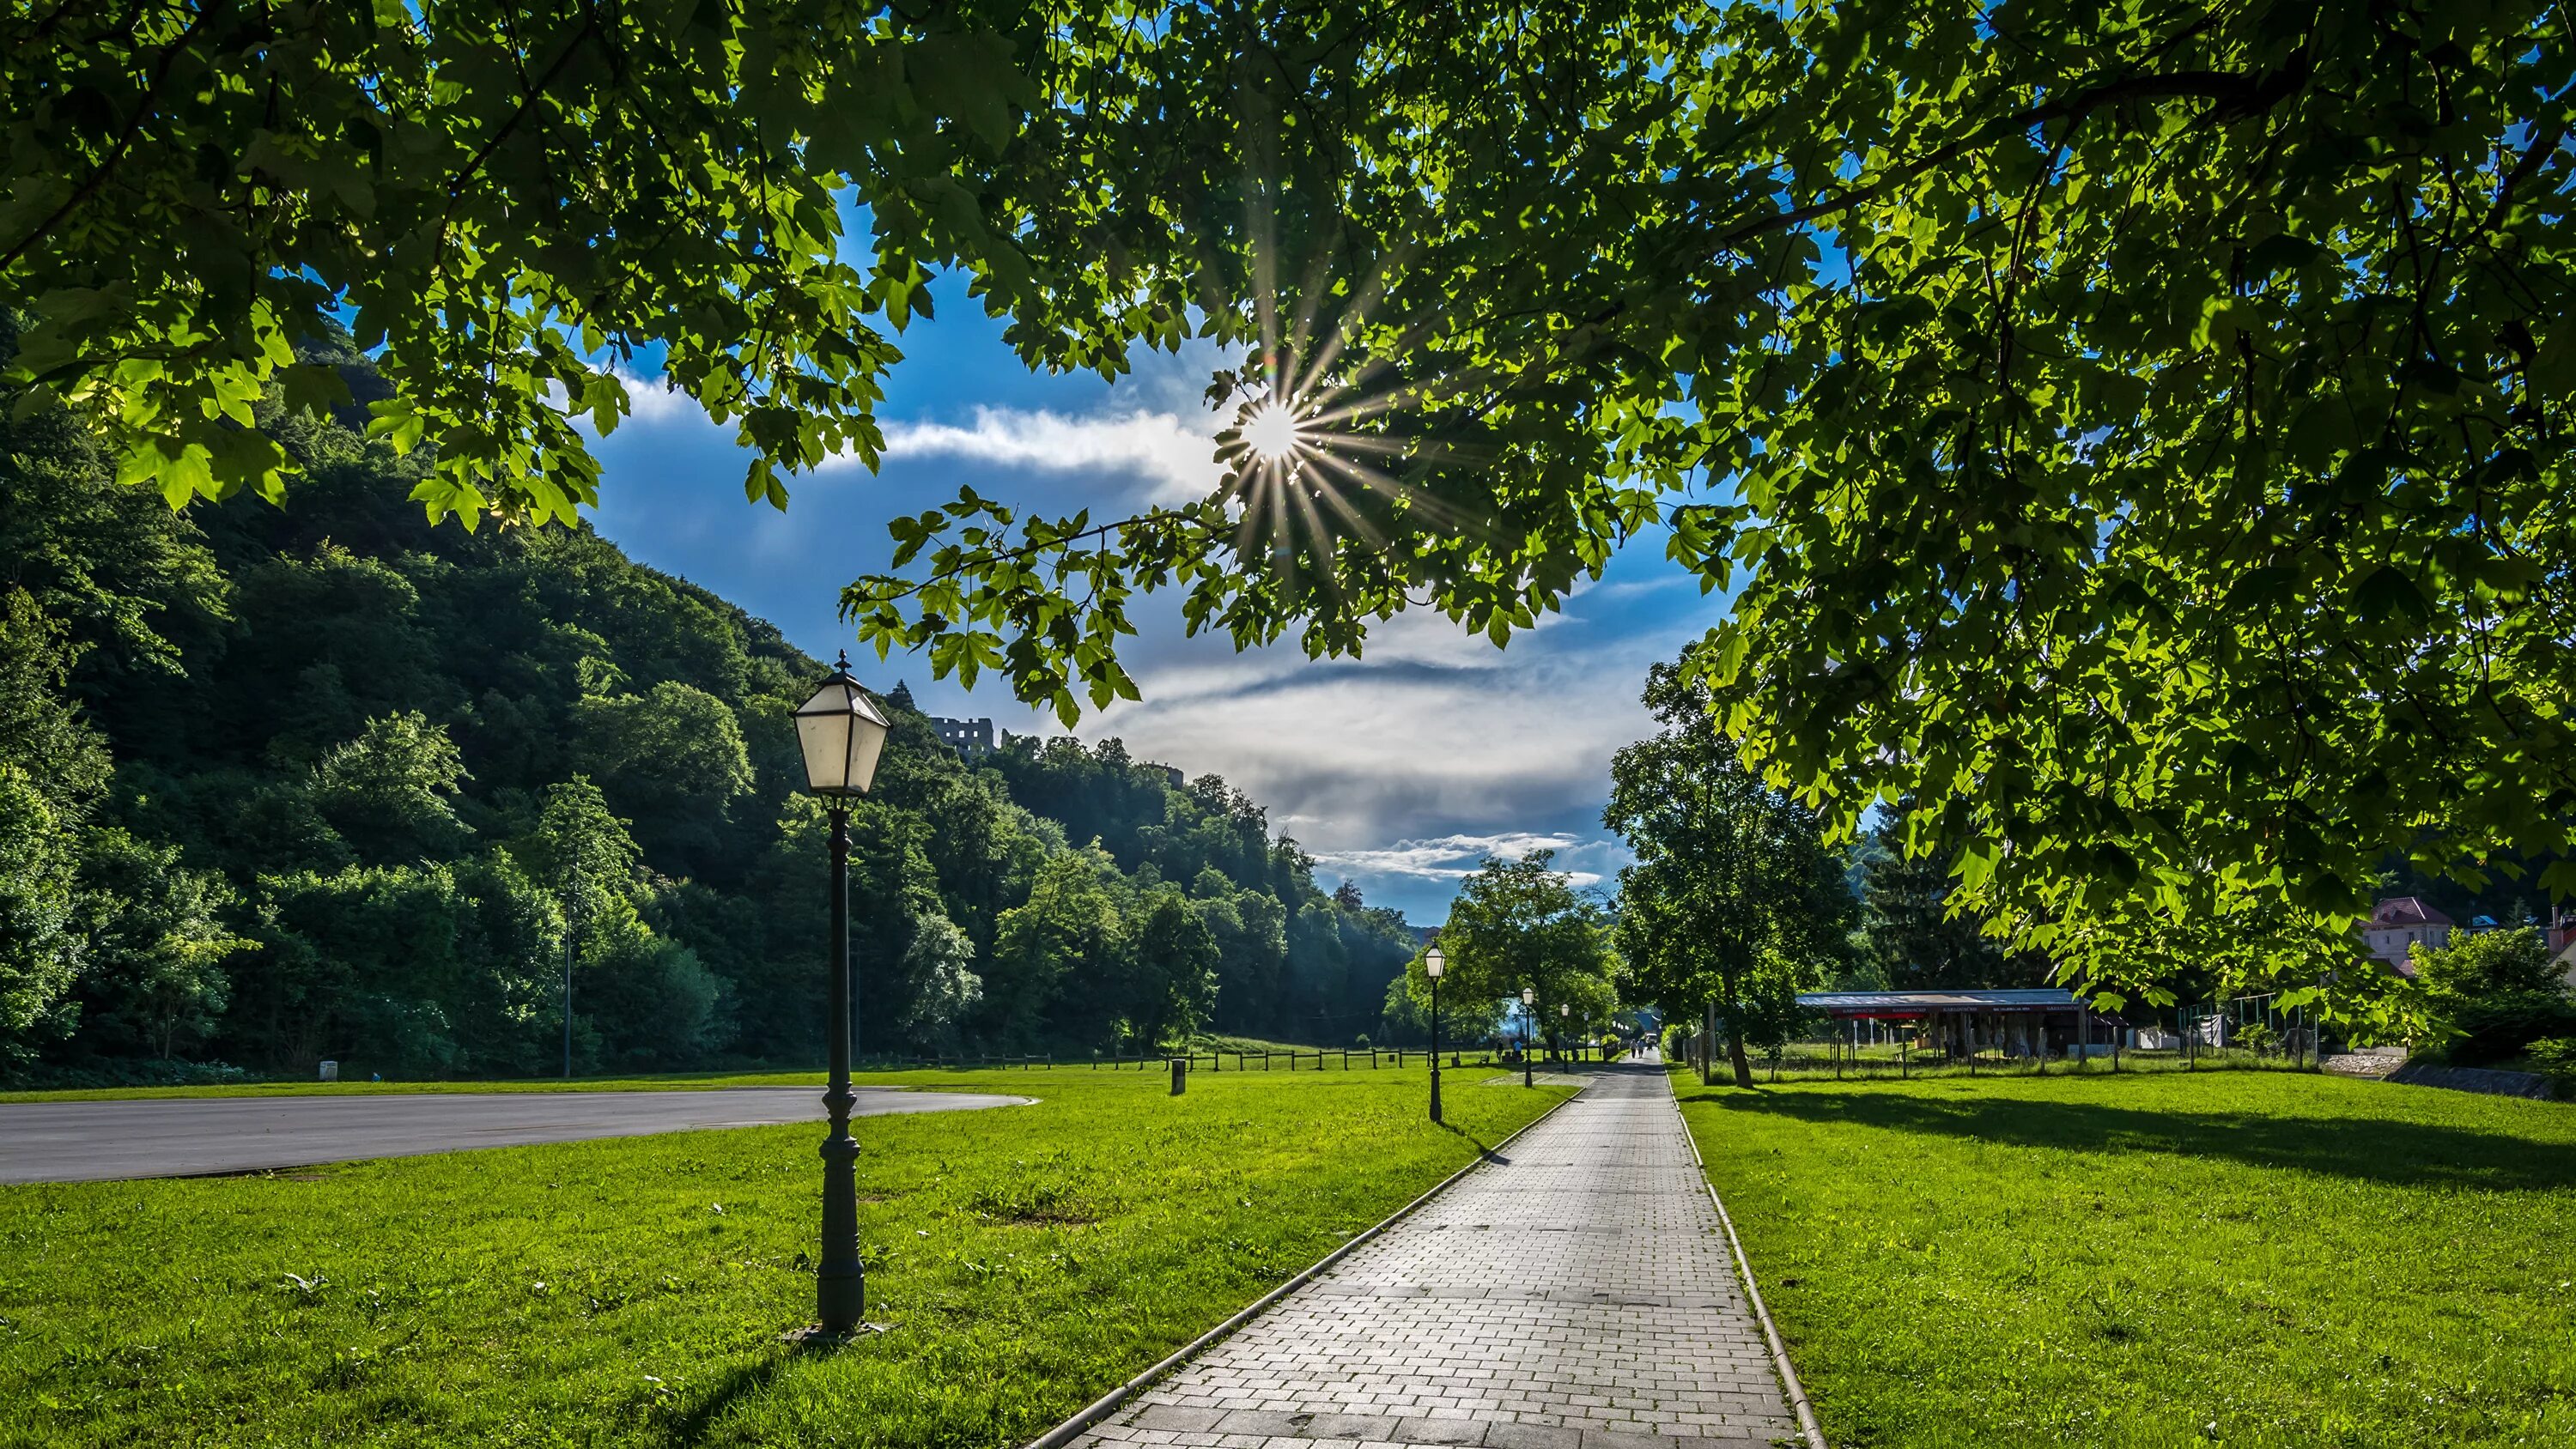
point(1433, 963)
point(841, 732)
point(1529, 1005)
point(1555, 1045)
point(572, 927)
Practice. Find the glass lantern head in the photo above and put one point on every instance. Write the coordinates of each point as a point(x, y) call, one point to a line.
point(841, 733)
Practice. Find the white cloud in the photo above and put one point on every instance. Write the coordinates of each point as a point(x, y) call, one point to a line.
point(1172, 456)
point(652, 401)
point(1176, 457)
point(1450, 857)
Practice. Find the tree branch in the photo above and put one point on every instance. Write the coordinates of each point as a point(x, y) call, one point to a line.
point(124, 141)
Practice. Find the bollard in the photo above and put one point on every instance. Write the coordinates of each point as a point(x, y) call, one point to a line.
point(1180, 1074)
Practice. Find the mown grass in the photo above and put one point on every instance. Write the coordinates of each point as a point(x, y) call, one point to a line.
point(2237, 1258)
point(632, 1292)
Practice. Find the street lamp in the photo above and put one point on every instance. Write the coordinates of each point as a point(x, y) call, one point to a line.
point(1529, 1005)
point(841, 732)
point(1433, 963)
point(1564, 1009)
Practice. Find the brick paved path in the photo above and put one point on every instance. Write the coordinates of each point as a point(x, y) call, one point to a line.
point(1578, 1295)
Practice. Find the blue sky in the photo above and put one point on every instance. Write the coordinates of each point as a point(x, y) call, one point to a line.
point(1398, 771)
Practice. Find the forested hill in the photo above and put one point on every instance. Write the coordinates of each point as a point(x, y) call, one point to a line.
point(282, 784)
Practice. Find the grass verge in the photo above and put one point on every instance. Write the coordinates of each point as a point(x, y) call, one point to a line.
point(631, 1292)
point(2222, 1258)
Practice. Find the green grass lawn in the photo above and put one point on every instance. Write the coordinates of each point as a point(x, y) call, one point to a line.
point(2239, 1258)
point(631, 1292)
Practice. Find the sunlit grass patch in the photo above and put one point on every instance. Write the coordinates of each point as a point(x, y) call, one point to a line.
point(2235, 1258)
point(631, 1292)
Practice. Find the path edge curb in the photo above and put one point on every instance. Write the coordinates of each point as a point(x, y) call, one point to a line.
point(1797, 1392)
point(1110, 1402)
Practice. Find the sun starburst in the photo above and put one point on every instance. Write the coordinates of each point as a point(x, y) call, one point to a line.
point(1272, 432)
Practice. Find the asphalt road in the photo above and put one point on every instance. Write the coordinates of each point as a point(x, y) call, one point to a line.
point(198, 1136)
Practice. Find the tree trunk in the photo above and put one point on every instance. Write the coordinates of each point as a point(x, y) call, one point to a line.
point(1735, 1056)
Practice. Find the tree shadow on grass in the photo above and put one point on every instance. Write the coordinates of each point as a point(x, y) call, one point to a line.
point(2405, 1154)
point(692, 1428)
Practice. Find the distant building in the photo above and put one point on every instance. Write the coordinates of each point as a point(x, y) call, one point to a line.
point(2561, 940)
point(2401, 923)
point(968, 737)
point(2018, 1021)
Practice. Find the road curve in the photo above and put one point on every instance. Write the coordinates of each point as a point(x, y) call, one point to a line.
point(201, 1136)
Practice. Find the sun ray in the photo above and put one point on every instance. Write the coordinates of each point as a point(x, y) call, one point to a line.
point(1377, 480)
point(1360, 525)
point(1287, 375)
point(1363, 302)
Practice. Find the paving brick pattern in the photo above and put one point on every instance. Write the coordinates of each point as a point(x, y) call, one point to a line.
point(1578, 1294)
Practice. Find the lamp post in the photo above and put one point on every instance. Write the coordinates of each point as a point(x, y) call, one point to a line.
point(572, 925)
point(841, 733)
point(1556, 1042)
point(1433, 963)
point(1529, 1004)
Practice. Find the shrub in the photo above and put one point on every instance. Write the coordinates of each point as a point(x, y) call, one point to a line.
point(2557, 1056)
point(2490, 995)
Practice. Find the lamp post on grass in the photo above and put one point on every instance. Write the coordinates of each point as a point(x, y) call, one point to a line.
point(1529, 1025)
point(1556, 1039)
point(572, 925)
point(841, 732)
point(1433, 963)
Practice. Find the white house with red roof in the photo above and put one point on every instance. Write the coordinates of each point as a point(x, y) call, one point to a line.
point(2399, 924)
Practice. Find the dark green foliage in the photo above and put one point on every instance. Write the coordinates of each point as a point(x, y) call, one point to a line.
point(156, 950)
point(2489, 995)
point(38, 951)
point(1175, 972)
point(1291, 961)
point(1911, 934)
point(379, 778)
point(1520, 925)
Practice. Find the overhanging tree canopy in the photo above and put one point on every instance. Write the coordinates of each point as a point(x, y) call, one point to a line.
point(2132, 434)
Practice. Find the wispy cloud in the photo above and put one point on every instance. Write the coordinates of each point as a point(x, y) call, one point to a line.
point(1175, 456)
point(1449, 857)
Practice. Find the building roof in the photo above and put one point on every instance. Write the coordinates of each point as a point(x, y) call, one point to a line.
point(1925, 1003)
point(2398, 912)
